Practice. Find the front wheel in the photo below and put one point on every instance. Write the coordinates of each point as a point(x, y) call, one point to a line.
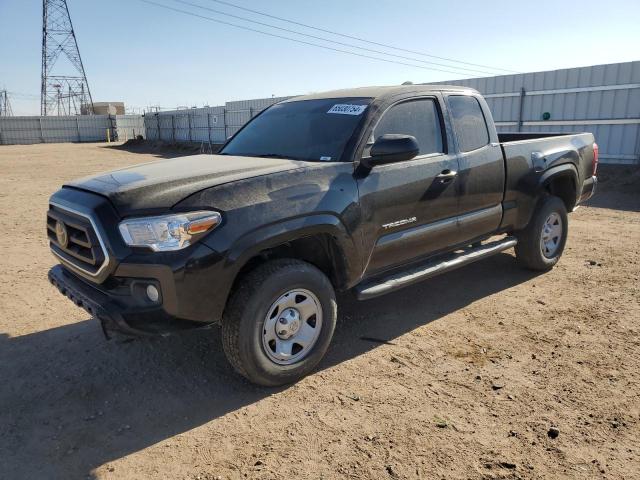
point(541, 243)
point(279, 322)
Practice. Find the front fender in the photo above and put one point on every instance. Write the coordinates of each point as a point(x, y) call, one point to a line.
point(263, 212)
point(274, 235)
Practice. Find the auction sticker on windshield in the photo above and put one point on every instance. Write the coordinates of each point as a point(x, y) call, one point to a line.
point(347, 109)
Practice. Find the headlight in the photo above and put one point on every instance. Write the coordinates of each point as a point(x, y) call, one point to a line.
point(168, 232)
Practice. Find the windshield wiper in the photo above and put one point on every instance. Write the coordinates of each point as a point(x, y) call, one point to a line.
point(277, 155)
point(272, 155)
point(267, 155)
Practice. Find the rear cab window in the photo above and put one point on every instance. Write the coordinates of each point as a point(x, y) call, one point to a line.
point(417, 117)
point(468, 122)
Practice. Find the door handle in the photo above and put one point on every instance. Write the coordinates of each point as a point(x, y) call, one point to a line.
point(447, 175)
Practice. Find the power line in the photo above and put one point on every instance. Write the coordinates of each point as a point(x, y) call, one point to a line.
point(324, 39)
point(23, 95)
point(295, 39)
point(229, 4)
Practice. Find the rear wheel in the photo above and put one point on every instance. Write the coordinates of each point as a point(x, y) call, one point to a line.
point(279, 322)
point(541, 243)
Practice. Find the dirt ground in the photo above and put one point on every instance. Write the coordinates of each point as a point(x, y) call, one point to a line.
point(474, 370)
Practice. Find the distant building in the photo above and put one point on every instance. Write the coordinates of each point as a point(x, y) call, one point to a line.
point(105, 108)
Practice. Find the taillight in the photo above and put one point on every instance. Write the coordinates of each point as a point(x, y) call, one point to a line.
point(595, 157)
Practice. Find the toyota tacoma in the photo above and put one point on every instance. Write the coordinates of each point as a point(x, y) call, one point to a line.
point(365, 190)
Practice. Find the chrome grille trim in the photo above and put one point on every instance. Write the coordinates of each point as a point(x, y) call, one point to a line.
point(105, 253)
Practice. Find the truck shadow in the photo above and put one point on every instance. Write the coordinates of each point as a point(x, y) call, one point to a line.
point(72, 402)
point(629, 202)
point(618, 188)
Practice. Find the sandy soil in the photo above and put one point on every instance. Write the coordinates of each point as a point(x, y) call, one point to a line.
point(469, 374)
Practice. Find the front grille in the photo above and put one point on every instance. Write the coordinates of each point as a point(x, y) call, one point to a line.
point(74, 240)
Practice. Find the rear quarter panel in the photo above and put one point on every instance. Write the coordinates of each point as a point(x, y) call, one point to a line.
point(566, 154)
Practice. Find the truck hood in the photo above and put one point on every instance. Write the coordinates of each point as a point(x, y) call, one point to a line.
point(161, 184)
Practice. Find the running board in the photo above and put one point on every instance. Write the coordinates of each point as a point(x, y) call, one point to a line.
point(396, 281)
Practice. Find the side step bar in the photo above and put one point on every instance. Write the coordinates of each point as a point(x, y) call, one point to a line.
point(396, 281)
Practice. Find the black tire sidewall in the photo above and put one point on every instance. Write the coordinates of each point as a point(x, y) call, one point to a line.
point(550, 204)
point(259, 368)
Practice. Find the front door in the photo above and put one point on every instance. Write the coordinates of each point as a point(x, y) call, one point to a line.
point(410, 207)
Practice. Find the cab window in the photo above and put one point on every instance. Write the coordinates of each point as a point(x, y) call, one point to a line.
point(468, 122)
point(418, 118)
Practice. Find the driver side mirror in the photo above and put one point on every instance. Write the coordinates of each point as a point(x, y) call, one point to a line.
point(390, 148)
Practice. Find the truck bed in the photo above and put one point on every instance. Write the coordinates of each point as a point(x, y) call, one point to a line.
point(553, 149)
point(528, 156)
point(546, 150)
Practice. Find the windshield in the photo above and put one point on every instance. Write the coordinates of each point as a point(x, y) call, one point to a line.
point(313, 130)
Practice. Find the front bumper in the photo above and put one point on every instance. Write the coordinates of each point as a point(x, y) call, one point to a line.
point(115, 314)
point(93, 301)
point(192, 283)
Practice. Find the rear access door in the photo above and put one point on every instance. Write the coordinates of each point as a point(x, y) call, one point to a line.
point(481, 173)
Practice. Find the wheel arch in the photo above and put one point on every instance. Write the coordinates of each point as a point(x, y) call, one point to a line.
point(321, 240)
point(559, 180)
point(562, 182)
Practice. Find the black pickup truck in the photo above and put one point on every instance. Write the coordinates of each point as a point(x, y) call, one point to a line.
point(368, 190)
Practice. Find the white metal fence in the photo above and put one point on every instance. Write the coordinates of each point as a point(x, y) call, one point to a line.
point(208, 124)
point(129, 126)
point(601, 99)
point(94, 128)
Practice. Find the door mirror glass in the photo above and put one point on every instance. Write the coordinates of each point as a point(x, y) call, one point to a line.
point(392, 147)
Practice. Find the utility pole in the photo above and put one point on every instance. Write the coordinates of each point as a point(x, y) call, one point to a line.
point(58, 96)
point(5, 105)
point(61, 63)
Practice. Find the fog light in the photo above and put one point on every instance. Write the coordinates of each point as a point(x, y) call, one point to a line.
point(153, 293)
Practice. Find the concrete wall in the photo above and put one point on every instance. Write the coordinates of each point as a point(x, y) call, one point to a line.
point(108, 108)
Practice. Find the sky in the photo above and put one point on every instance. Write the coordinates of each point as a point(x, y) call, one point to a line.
point(144, 55)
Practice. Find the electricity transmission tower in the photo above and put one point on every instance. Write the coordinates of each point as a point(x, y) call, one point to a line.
point(64, 89)
point(5, 106)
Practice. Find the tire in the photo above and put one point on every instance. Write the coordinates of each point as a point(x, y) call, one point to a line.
point(549, 221)
point(255, 339)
